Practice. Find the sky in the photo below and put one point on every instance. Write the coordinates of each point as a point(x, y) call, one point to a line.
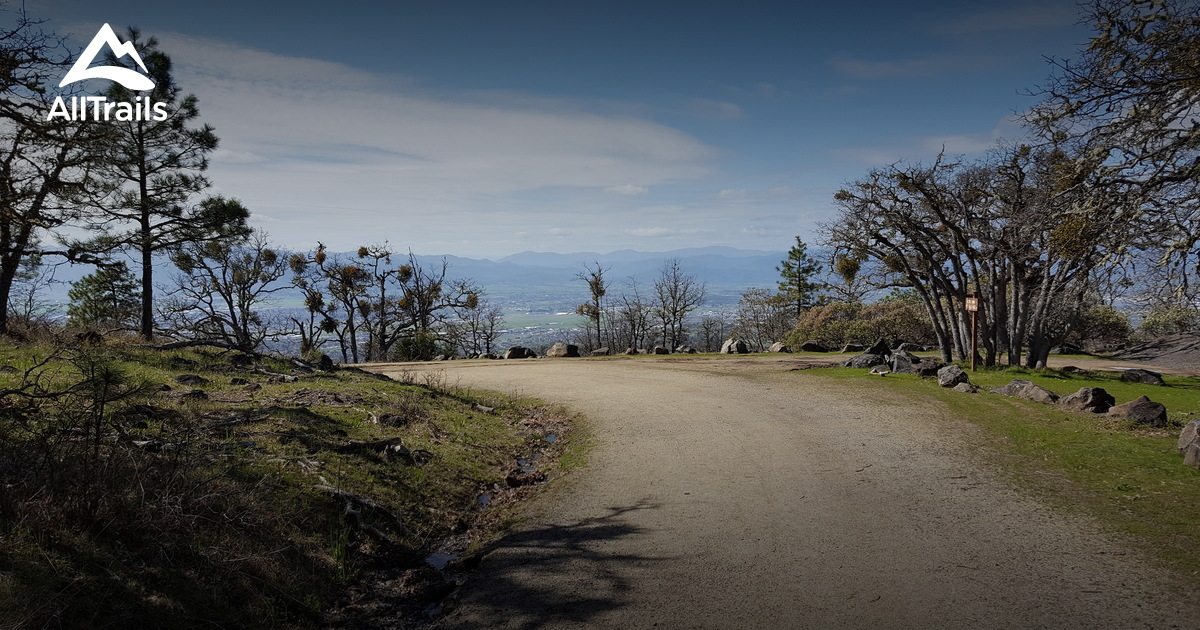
point(484, 129)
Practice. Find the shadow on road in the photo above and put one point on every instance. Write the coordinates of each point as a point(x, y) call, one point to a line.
point(551, 574)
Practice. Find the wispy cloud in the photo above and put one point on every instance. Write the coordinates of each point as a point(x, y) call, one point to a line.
point(312, 140)
point(1008, 19)
point(898, 68)
point(628, 190)
point(662, 232)
point(713, 110)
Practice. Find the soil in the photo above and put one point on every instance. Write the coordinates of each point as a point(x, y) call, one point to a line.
point(727, 492)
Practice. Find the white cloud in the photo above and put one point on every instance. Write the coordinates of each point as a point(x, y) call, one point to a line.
point(662, 232)
point(349, 157)
point(629, 190)
point(713, 110)
point(1009, 19)
point(897, 68)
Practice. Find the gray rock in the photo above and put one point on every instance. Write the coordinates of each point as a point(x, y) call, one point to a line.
point(813, 346)
point(779, 346)
point(880, 370)
point(1191, 455)
point(1142, 411)
point(865, 360)
point(909, 347)
point(881, 347)
point(517, 352)
point(904, 361)
point(602, 351)
point(928, 369)
point(1145, 377)
point(734, 346)
point(1189, 435)
point(661, 350)
point(853, 347)
point(631, 351)
point(325, 364)
point(1093, 399)
point(195, 394)
point(238, 381)
point(561, 349)
point(685, 350)
point(966, 388)
point(1023, 388)
point(952, 375)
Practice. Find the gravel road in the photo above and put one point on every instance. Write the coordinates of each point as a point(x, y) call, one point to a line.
point(731, 493)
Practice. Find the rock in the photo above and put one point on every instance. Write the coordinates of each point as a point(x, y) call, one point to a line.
point(238, 381)
point(853, 347)
point(779, 346)
point(928, 369)
point(734, 346)
point(1093, 399)
point(195, 394)
point(813, 346)
point(966, 388)
point(325, 364)
point(1189, 435)
point(191, 379)
point(517, 352)
point(952, 375)
point(631, 350)
point(1191, 455)
point(881, 370)
point(881, 347)
point(561, 349)
point(903, 361)
point(661, 350)
point(909, 347)
point(241, 360)
point(1142, 411)
point(865, 360)
point(1023, 388)
point(602, 351)
point(1145, 377)
point(1067, 348)
point(1071, 369)
point(685, 350)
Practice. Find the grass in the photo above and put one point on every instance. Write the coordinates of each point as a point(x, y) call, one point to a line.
point(254, 505)
point(1128, 477)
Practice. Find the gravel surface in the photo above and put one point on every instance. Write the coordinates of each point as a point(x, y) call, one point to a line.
point(731, 493)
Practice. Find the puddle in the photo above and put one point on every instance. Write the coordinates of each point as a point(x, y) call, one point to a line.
point(552, 437)
point(440, 560)
point(485, 499)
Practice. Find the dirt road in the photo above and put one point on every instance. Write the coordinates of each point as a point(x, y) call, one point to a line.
point(730, 493)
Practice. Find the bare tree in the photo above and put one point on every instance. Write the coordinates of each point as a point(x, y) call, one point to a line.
point(677, 294)
point(594, 310)
point(763, 318)
point(476, 330)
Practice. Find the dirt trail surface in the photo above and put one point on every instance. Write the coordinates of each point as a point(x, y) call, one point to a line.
point(730, 493)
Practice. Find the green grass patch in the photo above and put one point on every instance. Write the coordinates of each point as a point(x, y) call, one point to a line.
point(1130, 478)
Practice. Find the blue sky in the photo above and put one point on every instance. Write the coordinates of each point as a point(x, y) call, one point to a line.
point(488, 128)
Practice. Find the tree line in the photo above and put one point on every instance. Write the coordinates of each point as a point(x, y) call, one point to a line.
point(100, 192)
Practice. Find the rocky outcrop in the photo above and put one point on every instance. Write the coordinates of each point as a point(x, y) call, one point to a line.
point(735, 346)
point(1023, 388)
point(865, 360)
point(519, 352)
point(561, 349)
point(952, 375)
point(1142, 411)
point(1092, 399)
point(1145, 377)
point(904, 362)
point(881, 347)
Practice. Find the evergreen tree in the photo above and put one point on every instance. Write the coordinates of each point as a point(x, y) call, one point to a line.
point(106, 297)
point(798, 270)
point(153, 170)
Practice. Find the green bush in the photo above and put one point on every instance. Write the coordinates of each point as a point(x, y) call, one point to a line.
point(1171, 320)
point(840, 323)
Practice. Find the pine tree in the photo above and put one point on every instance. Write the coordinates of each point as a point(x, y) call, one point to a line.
point(798, 271)
point(106, 297)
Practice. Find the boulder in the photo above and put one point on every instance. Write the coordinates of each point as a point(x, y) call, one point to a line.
point(881, 347)
point(813, 346)
point(661, 350)
point(602, 351)
point(903, 361)
point(1142, 411)
point(734, 346)
point(865, 360)
point(685, 350)
point(909, 347)
point(1071, 369)
point(238, 381)
point(952, 375)
point(1189, 443)
point(561, 349)
point(966, 388)
point(1023, 388)
point(1145, 377)
point(195, 394)
point(880, 370)
point(325, 364)
point(1093, 399)
point(779, 346)
point(517, 352)
point(928, 369)
point(853, 347)
point(631, 351)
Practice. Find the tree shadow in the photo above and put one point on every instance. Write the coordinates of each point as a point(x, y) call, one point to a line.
point(550, 574)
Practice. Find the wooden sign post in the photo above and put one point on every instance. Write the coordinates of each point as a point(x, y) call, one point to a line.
point(972, 304)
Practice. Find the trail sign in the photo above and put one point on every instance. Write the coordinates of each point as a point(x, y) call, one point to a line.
point(972, 304)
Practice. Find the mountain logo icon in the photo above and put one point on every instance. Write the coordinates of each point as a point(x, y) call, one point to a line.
point(129, 78)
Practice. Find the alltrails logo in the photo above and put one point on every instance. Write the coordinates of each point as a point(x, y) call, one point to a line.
point(99, 107)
